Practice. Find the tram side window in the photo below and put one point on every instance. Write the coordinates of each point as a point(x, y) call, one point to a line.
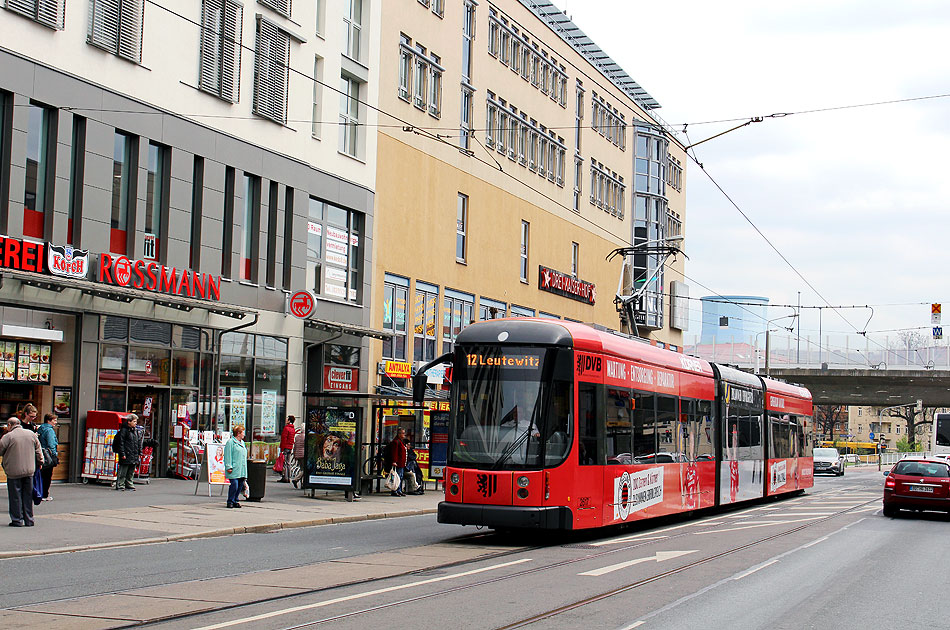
point(668, 449)
point(619, 426)
point(697, 428)
point(781, 432)
point(557, 429)
point(644, 427)
point(808, 436)
point(590, 429)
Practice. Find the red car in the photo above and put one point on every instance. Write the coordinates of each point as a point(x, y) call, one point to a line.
point(917, 484)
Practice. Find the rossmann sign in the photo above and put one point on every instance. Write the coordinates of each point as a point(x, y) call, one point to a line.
point(568, 286)
point(149, 275)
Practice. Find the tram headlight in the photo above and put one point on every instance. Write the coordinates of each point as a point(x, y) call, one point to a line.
point(455, 478)
point(454, 490)
point(522, 482)
point(522, 493)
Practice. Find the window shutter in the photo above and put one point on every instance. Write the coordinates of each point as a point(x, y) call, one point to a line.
point(271, 67)
point(231, 51)
point(281, 6)
point(49, 13)
point(104, 24)
point(131, 13)
point(211, 37)
point(221, 22)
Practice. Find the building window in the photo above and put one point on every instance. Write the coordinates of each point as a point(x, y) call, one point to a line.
point(421, 78)
point(458, 311)
point(251, 226)
point(493, 28)
point(521, 311)
point(468, 37)
point(334, 242)
point(461, 228)
point(40, 159)
point(395, 303)
point(271, 72)
point(674, 173)
point(321, 16)
point(116, 26)
point(607, 189)
point(465, 124)
point(156, 199)
point(281, 6)
point(491, 309)
point(288, 257)
point(426, 312)
point(197, 205)
point(221, 24)
point(77, 170)
point(435, 86)
point(524, 250)
point(575, 257)
point(405, 66)
point(438, 7)
point(124, 166)
point(349, 116)
point(270, 278)
point(49, 13)
point(352, 27)
point(317, 110)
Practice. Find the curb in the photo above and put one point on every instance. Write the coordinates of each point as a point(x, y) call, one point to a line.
point(217, 533)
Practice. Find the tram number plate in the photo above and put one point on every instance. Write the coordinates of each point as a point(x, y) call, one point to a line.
point(922, 489)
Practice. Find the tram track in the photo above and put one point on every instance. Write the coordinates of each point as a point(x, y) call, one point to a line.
point(634, 544)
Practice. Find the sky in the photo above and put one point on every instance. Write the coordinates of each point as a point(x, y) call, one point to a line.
point(854, 198)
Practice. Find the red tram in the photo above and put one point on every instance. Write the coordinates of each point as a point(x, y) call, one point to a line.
point(556, 425)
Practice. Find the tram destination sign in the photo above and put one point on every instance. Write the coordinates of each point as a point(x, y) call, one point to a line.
point(566, 286)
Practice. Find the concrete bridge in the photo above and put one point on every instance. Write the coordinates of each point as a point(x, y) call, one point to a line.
point(866, 387)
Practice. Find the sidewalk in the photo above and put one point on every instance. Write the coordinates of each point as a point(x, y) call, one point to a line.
point(94, 516)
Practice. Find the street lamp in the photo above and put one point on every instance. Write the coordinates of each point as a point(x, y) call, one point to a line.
point(625, 302)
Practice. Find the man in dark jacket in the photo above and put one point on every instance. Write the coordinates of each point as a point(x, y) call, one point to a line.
point(21, 452)
point(127, 446)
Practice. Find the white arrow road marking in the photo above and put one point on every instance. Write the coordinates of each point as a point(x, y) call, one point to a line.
point(659, 557)
point(347, 598)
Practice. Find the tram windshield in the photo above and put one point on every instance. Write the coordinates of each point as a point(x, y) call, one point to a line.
point(512, 407)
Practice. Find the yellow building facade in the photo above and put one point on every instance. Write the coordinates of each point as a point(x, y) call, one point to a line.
point(509, 167)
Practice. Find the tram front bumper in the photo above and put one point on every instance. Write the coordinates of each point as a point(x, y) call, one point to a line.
point(506, 516)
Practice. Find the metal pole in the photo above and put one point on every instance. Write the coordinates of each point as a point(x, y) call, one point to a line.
point(768, 339)
point(798, 356)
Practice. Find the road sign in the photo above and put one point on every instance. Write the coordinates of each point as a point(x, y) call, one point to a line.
point(938, 332)
point(303, 304)
point(871, 435)
point(935, 308)
point(935, 318)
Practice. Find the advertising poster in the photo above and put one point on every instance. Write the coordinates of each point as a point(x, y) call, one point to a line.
point(438, 443)
point(215, 453)
point(26, 362)
point(332, 444)
point(269, 411)
point(62, 401)
point(238, 411)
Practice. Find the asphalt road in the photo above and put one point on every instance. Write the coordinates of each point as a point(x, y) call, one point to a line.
point(828, 559)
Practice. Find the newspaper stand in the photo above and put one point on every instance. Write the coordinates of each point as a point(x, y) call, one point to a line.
point(99, 461)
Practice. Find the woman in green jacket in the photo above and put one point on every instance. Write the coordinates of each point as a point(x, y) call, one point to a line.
point(235, 465)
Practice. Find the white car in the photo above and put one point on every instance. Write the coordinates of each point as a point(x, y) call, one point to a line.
point(828, 460)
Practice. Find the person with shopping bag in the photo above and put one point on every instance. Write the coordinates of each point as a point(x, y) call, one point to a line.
point(21, 453)
point(235, 465)
point(287, 447)
point(396, 453)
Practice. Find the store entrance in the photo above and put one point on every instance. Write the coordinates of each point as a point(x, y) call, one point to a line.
point(150, 404)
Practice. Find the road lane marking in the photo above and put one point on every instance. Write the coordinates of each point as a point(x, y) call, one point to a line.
point(632, 538)
point(763, 524)
point(347, 598)
point(754, 569)
point(659, 557)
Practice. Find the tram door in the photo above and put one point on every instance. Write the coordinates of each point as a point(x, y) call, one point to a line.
point(587, 494)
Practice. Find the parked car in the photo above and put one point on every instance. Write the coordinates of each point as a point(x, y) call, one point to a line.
point(917, 484)
point(828, 460)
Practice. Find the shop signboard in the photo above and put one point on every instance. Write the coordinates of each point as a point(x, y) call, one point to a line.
point(398, 369)
point(66, 261)
point(341, 379)
point(268, 411)
point(62, 402)
point(332, 442)
point(438, 443)
point(149, 275)
point(22, 255)
point(215, 454)
point(566, 285)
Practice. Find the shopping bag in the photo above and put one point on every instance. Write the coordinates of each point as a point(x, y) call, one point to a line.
point(411, 483)
point(245, 490)
point(392, 481)
point(37, 487)
point(279, 463)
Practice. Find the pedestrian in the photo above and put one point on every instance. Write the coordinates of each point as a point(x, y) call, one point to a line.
point(127, 446)
point(235, 465)
point(397, 454)
point(48, 440)
point(287, 446)
point(412, 467)
point(28, 416)
point(21, 451)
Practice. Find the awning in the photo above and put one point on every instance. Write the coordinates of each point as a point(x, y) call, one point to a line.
point(123, 294)
point(349, 329)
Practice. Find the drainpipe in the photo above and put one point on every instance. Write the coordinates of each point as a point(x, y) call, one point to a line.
point(217, 360)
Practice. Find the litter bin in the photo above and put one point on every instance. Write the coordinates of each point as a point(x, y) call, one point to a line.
point(256, 479)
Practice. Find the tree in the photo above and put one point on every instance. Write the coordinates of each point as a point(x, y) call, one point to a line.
point(916, 423)
point(903, 446)
point(829, 419)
